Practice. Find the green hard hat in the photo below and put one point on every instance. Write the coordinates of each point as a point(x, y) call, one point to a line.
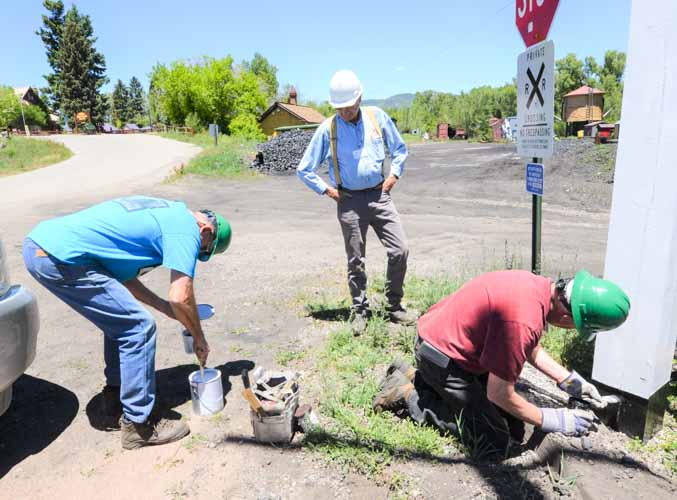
point(597, 304)
point(222, 237)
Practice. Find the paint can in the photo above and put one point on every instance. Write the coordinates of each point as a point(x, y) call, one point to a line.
point(207, 393)
point(204, 311)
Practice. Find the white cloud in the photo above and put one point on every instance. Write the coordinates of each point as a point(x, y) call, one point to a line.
point(399, 68)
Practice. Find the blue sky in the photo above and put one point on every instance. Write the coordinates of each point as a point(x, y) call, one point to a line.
point(394, 46)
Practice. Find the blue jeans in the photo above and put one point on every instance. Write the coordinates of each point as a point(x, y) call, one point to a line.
point(128, 328)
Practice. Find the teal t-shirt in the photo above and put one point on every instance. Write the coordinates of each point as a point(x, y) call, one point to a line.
point(128, 236)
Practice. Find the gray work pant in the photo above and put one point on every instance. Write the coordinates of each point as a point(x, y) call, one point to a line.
point(356, 212)
point(455, 401)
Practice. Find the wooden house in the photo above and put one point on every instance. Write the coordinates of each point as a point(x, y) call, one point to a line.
point(583, 105)
point(288, 114)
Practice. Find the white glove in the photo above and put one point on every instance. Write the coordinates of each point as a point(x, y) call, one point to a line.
point(568, 422)
point(579, 388)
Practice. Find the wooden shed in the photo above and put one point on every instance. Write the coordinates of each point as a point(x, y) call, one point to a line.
point(288, 114)
point(583, 105)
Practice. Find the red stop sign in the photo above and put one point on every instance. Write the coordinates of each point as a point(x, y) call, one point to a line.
point(533, 19)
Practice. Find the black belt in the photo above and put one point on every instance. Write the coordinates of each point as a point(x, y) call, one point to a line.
point(431, 353)
point(374, 188)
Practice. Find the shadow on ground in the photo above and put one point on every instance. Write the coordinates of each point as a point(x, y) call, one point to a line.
point(39, 413)
point(172, 391)
point(330, 313)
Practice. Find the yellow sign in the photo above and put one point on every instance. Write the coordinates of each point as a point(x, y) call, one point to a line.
point(82, 116)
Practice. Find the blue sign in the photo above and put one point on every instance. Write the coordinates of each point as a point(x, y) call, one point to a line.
point(535, 178)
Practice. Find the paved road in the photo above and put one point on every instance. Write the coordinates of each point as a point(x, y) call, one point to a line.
point(102, 165)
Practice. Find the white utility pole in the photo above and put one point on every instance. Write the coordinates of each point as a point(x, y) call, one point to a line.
point(642, 246)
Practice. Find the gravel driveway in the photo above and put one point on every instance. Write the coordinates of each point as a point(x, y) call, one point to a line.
point(462, 211)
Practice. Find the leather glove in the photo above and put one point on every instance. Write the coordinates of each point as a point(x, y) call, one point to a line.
point(579, 388)
point(568, 422)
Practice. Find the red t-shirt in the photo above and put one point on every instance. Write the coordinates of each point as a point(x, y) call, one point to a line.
point(492, 324)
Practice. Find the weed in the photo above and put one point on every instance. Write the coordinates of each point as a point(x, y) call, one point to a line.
point(569, 348)
point(194, 441)
point(355, 436)
point(284, 357)
point(560, 483)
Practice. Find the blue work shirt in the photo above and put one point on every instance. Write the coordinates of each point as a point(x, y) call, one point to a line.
point(127, 236)
point(360, 152)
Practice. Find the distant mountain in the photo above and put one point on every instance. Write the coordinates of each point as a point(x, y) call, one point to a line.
point(396, 101)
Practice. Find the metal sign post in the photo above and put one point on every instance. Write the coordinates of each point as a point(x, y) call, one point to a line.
point(535, 180)
point(214, 132)
point(535, 106)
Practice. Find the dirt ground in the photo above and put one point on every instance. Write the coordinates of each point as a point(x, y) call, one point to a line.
point(464, 209)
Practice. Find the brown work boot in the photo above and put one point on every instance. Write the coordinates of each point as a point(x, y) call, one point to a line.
point(394, 394)
point(400, 365)
point(151, 433)
point(399, 315)
point(111, 408)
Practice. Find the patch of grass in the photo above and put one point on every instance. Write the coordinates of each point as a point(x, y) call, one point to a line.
point(569, 349)
point(22, 154)
point(664, 444)
point(285, 357)
point(412, 139)
point(354, 436)
point(229, 159)
point(602, 156)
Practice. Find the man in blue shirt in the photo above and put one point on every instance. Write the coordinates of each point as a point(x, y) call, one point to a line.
point(354, 141)
point(92, 260)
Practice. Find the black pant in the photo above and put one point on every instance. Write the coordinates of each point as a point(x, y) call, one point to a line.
point(454, 400)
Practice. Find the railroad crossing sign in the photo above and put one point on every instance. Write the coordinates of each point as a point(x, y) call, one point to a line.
point(536, 100)
point(533, 19)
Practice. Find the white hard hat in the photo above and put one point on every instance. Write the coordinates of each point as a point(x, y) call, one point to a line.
point(344, 89)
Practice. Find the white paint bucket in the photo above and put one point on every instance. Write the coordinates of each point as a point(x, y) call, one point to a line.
point(207, 394)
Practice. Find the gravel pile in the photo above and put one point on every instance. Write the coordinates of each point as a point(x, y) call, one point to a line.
point(281, 154)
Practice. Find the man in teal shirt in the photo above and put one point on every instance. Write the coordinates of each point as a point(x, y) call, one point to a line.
point(354, 142)
point(92, 260)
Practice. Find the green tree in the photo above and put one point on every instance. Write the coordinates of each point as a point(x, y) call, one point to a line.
point(266, 73)
point(120, 111)
point(569, 75)
point(11, 111)
point(209, 90)
point(78, 68)
point(137, 100)
point(50, 34)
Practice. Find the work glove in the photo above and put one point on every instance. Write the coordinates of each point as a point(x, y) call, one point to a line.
point(568, 422)
point(579, 388)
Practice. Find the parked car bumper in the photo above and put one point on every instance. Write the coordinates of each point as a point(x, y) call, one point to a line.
point(19, 325)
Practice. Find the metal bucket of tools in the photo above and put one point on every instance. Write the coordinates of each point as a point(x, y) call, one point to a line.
point(279, 394)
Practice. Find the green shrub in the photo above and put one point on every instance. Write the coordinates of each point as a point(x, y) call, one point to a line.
point(193, 121)
point(247, 126)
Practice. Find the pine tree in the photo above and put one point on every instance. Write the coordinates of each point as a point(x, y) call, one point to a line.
point(50, 35)
point(136, 98)
point(120, 97)
point(79, 70)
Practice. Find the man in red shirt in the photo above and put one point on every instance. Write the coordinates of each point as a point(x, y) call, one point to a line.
point(472, 345)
